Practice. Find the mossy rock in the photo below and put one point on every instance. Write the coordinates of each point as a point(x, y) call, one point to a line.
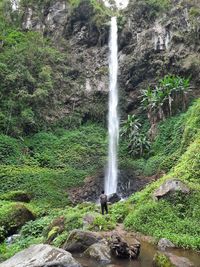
point(12, 217)
point(161, 260)
point(170, 260)
point(55, 228)
point(53, 234)
point(16, 196)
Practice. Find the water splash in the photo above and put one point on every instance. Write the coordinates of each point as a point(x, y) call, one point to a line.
point(113, 120)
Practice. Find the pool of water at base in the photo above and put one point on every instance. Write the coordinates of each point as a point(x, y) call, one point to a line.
point(145, 259)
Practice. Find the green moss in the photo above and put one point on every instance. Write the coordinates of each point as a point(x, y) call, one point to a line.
point(162, 260)
point(20, 196)
point(53, 233)
point(12, 217)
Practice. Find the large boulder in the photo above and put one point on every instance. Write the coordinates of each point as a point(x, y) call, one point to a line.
point(113, 198)
point(170, 260)
point(169, 188)
point(41, 256)
point(79, 241)
point(99, 252)
point(164, 243)
point(121, 249)
point(13, 217)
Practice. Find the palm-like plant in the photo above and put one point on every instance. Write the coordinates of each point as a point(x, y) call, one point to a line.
point(170, 88)
point(130, 126)
point(138, 143)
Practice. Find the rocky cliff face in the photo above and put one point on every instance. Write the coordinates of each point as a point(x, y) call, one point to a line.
point(152, 42)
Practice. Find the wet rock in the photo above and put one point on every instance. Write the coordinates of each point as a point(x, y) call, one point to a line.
point(165, 243)
point(41, 256)
point(170, 260)
point(113, 198)
point(121, 249)
point(169, 188)
point(79, 241)
point(99, 252)
point(128, 183)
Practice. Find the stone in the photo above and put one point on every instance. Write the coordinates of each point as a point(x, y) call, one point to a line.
point(41, 256)
point(55, 228)
point(128, 183)
point(168, 259)
point(79, 241)
point(18, 214)
point(113, 198)
point(165, 243)
point(121, 249)
point(170, 187)
point(99, 252)
point(88, 219)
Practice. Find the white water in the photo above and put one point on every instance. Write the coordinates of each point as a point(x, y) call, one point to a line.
point(15, 4)
point(113, 120)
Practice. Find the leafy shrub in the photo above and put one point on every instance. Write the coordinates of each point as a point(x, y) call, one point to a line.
point(165, 99)
point(159, 5)
point(103, 223)
point(119, 211)
point(138, 143)
point(10, 150)
point(35, 228)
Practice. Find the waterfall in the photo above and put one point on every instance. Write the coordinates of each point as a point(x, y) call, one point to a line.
point(113, 120)
point(15, 4)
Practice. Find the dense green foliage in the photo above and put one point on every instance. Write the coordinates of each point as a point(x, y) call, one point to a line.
point(43, 153)
point(29, 69)
point(47, 164)
point(175, 218)
point(168, 97)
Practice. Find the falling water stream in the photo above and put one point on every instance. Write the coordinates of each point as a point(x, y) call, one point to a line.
point(113, 120)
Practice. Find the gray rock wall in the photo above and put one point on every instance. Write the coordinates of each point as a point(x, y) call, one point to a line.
point(152, 43)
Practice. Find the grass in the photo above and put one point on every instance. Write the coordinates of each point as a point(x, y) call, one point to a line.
point(47, 164)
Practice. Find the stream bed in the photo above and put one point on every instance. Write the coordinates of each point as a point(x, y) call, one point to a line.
point(145, 259)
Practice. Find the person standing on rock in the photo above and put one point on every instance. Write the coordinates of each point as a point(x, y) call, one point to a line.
point(103, 201)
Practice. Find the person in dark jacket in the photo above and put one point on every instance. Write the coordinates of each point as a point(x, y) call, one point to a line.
point(103, 201)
